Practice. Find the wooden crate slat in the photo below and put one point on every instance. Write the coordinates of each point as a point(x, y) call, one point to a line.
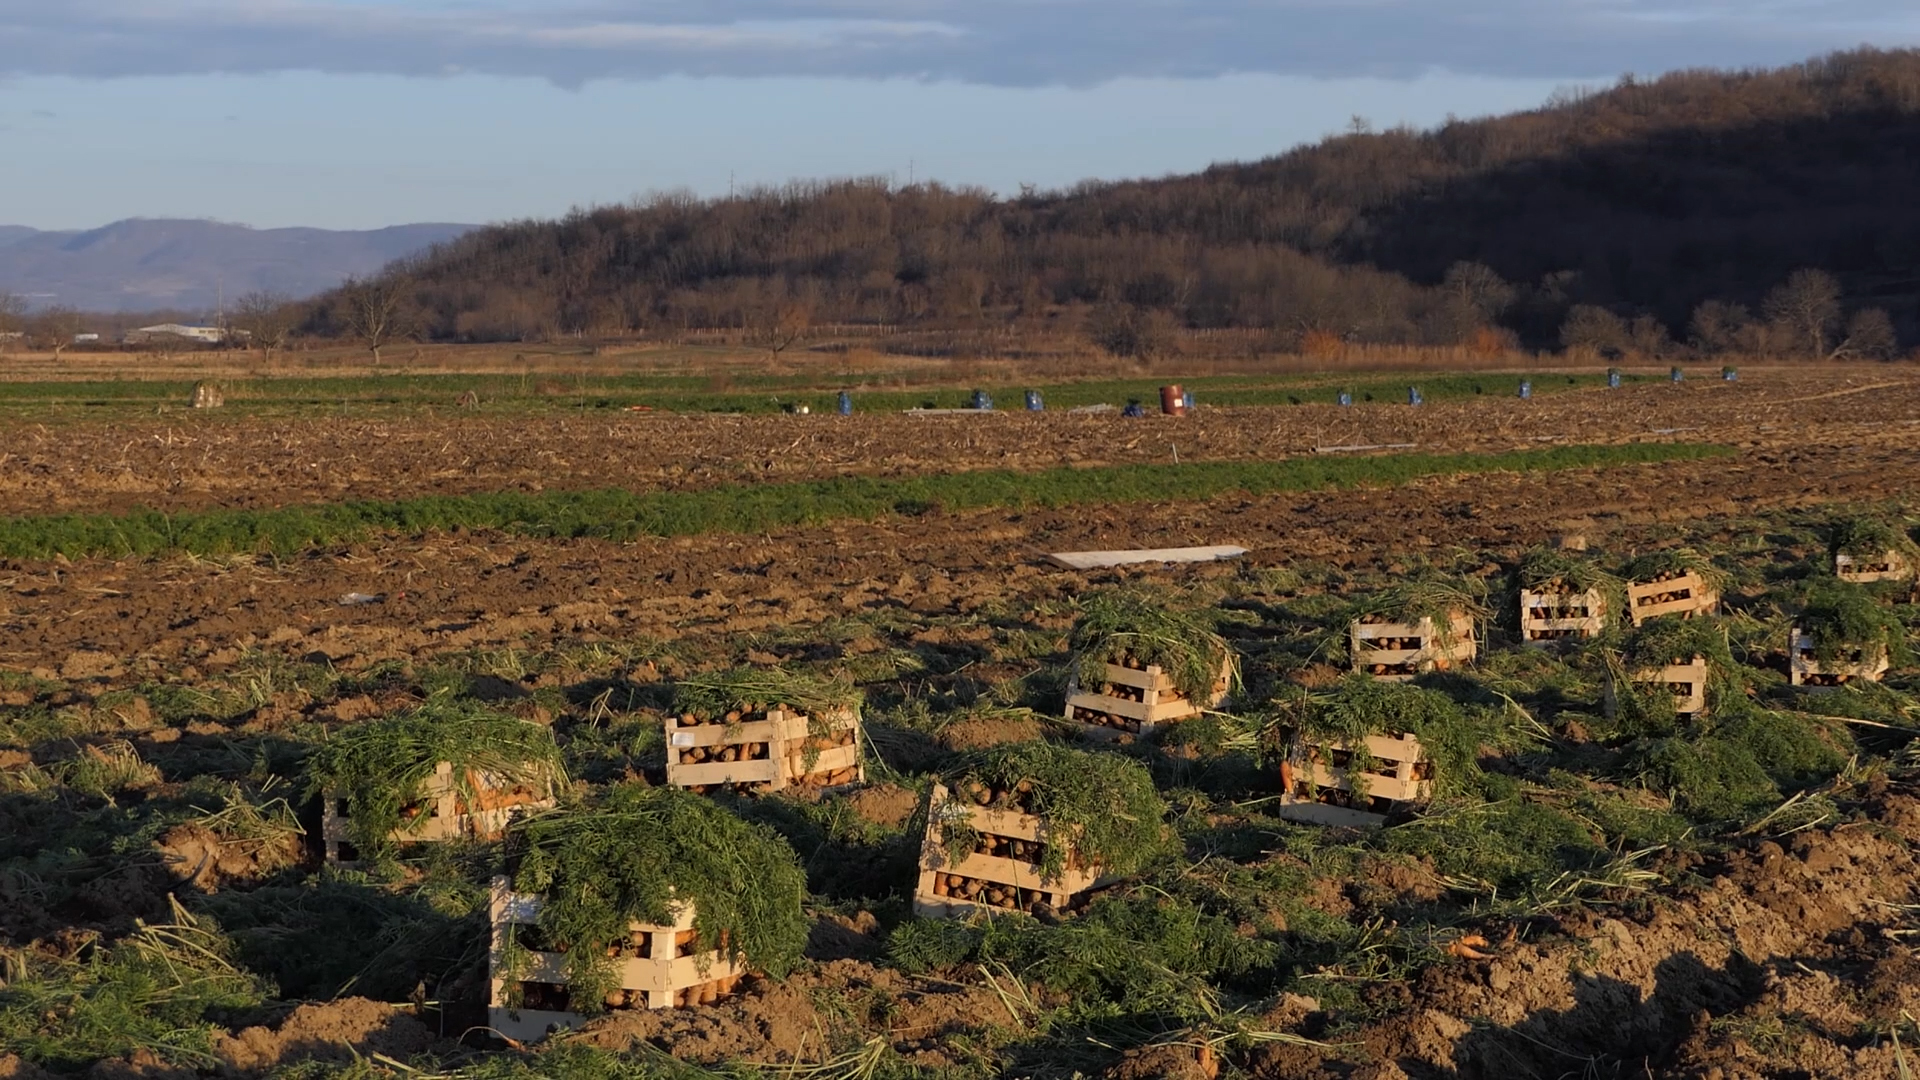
point(785, 733)
point(1694, 674)
point(1803, 665)
point(1890, 566)
point(1534, 628)
point(443, 821)
point(1395, 779)
point(1698, 598)
point(658, 977)
point(1429, 654)
point(706, 735)
point(1153, 678)
point(993, 869)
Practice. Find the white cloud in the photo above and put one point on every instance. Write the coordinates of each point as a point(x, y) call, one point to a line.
point(1010, 42)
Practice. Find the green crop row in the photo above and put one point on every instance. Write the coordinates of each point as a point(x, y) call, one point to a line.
point(755, 508)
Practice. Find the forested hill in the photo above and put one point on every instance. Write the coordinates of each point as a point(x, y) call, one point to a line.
point(1565, 223)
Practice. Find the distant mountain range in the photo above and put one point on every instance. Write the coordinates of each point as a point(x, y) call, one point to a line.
point(153, 265)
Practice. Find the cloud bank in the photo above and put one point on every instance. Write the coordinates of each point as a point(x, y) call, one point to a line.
point(999, 42)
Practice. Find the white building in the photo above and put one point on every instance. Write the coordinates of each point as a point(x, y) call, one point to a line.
point(207, 335)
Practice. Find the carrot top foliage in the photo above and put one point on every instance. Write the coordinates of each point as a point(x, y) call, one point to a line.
point(639, 854)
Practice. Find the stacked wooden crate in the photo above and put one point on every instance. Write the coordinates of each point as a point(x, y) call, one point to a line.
point(1004, 871)
point(764, 750)
point(658, 968)
point(1685, 594)
point(1399, 651)
point(1323, 784)
point(1687, 683)
point(1807, 670)
point(443, 815)
point(1549, 616)
point(1135, 699)
point(1887, 566)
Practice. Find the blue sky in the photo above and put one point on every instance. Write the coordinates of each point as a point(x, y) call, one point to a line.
point(359, 113)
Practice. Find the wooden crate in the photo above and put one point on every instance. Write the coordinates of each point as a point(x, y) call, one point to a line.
point(1806, 670)
point(765, 752)
point(1017, 875)
point(1397, 652)
point(1548, 617)
point(1317, 781)
point(1135, 701)
point(657, 970)
point(443, 815)
point(1686, 595)
point(834, 750)
point(1890, 566)
point(1688, 682)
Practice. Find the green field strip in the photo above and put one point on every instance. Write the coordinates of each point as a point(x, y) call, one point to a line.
point(758, 508)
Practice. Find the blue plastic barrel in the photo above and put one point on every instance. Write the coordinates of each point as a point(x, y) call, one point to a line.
point(846, 403)
point(1188, 396)
point(1413, 396)
point(982, 401)
point(1676, 376)
point(1346, 397)
point(1526, 389)
point(1034, 404)
point(1730, 374)
point(1613, 378)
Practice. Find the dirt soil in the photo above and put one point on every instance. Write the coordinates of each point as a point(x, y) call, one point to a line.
point(101, 618)
point(337, 1031)
point(1788, 958)
point(199, 461)
point(790, 1021)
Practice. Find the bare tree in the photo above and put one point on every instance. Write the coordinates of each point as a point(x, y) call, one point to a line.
point(267, 318)
point(54, 328)
point(1807, 305)
point(1591, 327)
point(1717, 327)
point(1870, 336)
point(374, 310)
point(13, 313)
point(1479, 288)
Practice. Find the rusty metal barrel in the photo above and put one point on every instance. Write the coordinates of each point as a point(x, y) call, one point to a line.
point(1172, 401)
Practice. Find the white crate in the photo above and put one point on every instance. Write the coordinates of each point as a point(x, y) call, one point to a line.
point(1687, 682)
point(1019, 877)
point(662, 973)
point(1550, 616)
point(441, 816)
point(1687, 595)
point(1890, 566)
point(768, 752)
point(1806, 669)
point(1397, 652)
point(1318, 781)
point(1134, 701)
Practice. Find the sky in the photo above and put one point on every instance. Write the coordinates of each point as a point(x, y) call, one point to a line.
point(363, 113)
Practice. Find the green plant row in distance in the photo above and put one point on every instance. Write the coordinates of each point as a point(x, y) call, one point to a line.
point(409, 392)
point(758, 508)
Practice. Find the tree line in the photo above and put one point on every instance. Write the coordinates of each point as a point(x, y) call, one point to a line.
point(1759, 213)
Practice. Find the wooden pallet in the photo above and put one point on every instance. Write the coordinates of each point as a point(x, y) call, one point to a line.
point(1317, 781)
point(768, 752)
point(1137, 702)
point(1021, 878)
point(1550, 617)
point(442, 816)
point(1415, 647)
point(1807, 671)
point(1891, 566)
point(658, 971)
point(1687, 595)
point(1687, 681)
